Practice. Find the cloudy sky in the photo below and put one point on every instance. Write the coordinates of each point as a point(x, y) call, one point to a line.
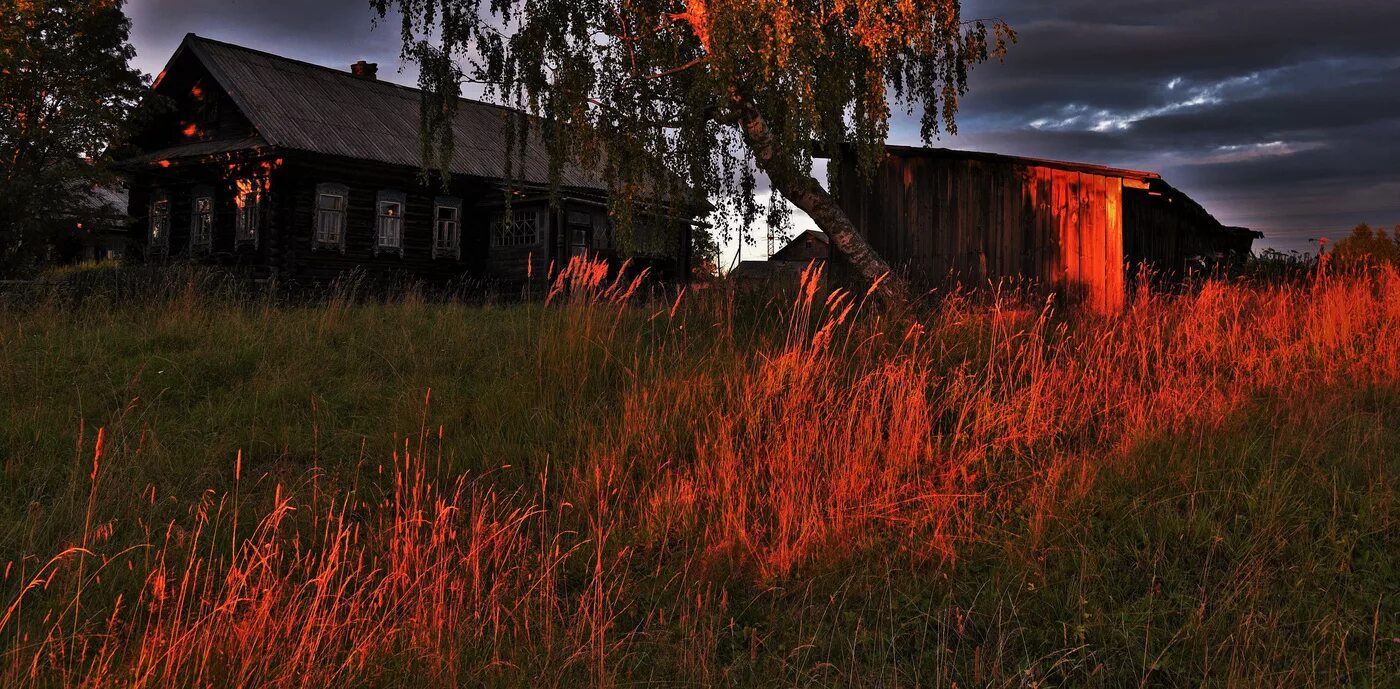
point(1280, 115)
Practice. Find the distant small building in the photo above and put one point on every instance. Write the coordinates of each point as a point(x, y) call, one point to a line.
point(94, 228)
point(811, 245)
point(1082, 230)
point(805, 249)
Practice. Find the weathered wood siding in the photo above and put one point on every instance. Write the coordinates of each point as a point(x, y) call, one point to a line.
point(180, 182)
point(942, 219)
point(1166, 233)
point(201, 110)
point(301, 261)
point(479, 261)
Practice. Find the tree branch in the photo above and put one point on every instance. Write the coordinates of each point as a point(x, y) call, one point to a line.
point(678, 69)
point(803, 191)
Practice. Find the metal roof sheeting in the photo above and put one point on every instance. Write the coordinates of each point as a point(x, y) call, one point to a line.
point(196, 149)
point(302, 106)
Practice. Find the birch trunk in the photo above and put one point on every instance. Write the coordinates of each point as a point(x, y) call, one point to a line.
point(803, 191)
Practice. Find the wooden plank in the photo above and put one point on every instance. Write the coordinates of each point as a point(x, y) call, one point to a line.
point(998, 237)
point(1030, 240)
point(943, 241)
point(924, 230)
point(1011, 210)
point(1084, 223)
point(1067, 221)
point(1046, 229)
point(1090, 237)
point(987, 221)
point(1101, 258)
point(958, 263)
point(928, 209)
point(1113, 215)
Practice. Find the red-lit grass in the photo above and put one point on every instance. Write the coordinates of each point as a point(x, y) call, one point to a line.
point(987, 494)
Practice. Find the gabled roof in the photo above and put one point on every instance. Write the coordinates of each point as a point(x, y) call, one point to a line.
point(793, 249)
point(302, 106)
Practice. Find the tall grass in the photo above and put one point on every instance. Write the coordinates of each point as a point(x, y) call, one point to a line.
point(704, 489)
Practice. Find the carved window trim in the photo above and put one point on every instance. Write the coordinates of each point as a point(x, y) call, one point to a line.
point(389, 210)
point(247, 212)
point(202, 221)
point(447, 227)
point(158, 229)
point(328, 220)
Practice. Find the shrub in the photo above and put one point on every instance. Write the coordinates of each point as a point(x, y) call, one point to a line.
point(1367, 245)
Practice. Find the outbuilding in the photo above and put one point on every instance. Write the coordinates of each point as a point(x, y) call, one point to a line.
point(1085, 231)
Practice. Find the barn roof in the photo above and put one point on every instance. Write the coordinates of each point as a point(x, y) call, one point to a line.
point(791, 250)
point(918, 151)
point(1137, 179)
point(302, 106)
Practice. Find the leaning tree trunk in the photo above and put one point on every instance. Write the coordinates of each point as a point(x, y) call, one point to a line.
point(803, 191)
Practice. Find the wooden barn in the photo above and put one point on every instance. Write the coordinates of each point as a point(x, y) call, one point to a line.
point(1084, 230)
point(304, 172)
point(803, 250)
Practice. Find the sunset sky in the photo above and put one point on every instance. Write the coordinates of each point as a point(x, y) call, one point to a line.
point(1280, 115)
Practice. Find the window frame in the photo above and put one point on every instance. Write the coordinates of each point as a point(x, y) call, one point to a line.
point(159, 210)
point(384, 223)
point(451, 249)
point(202, 223)
point(538, 218)
point(602, 232)
point(338, 215)
point(247, 218)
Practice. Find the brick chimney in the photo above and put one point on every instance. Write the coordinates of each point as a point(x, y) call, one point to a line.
point(365, 70)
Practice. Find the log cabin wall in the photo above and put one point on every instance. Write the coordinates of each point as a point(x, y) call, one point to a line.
point(302, 261)
point(180, 182)
point(285, 246)
point(943, 218)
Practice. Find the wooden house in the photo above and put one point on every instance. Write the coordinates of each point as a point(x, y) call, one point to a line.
point(807, 248)
point(304, 172)
point(1083, 230)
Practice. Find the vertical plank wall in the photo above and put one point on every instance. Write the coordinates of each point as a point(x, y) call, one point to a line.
point(946, 220)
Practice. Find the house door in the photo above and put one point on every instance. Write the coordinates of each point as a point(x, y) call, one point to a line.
point(580, 229)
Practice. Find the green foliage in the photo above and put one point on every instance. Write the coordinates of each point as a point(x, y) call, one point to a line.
point(66, 93)
point(1367, 245)
point(674, 89)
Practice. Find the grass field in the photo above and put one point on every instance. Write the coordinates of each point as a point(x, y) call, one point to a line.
point(201, 488)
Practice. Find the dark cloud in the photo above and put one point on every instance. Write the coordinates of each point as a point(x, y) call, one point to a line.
point(331, 32)
point(1283, 115)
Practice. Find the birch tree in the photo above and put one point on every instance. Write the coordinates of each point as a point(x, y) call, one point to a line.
point(702, 94)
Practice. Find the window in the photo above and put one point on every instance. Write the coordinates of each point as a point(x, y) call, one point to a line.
point(388, 225)
point(160, 221)
point(330, 216)
point(202, 222)
point(580, 227)
point(248, 202)
point(602, 233)
point(447, 227)
point(517, 229)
